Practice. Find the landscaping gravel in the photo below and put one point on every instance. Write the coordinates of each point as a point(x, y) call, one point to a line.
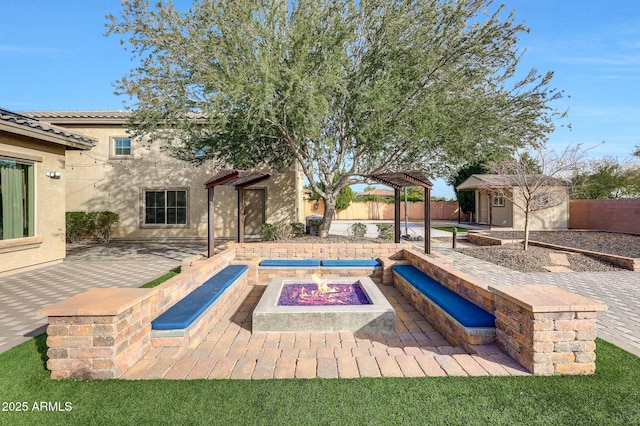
point(627, 245)
point(534, 259)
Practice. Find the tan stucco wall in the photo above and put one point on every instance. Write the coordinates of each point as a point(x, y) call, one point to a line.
point(97, 181)
point(556, 217)
point(503, 216)
point(48, 244)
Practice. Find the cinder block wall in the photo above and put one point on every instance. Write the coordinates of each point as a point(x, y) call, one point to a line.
point(606, 215)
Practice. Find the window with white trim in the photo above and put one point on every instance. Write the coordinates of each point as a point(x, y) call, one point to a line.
point(165, 207)
point(498, 198)
point(121, 147)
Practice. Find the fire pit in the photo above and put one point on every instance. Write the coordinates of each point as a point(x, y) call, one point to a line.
point(322, 294)
point(323, 306)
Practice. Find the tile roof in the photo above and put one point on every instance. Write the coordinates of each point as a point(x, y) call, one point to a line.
point(88, 116)
point(106, 114)
point(17, 123)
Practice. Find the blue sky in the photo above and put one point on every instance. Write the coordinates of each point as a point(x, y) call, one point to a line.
point(54, 56)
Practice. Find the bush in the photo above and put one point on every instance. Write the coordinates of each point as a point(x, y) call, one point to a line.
point(76, 226)
point(344, 198)
point(275, 232)
point(385, 231)
point(358, 230)
point(96, 225)
point(314, 226)
point(297, 228)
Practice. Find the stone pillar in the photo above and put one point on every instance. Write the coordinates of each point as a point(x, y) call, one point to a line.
point(98, 334)
point(546, 329)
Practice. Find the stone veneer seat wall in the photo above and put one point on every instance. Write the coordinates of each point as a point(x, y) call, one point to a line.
point(467, 286)
point(101, 333)
point(252, 253)
point(546, 329)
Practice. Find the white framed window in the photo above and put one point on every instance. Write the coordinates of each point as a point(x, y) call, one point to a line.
point(165, 207)
point(498, 198)
point(541, 201)
point(121, 147)
point(17, 199)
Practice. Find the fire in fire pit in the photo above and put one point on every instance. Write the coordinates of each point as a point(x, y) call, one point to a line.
point(322, 294)
point(278, 311)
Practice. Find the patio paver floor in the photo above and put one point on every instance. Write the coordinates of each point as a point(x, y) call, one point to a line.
point(231, 351)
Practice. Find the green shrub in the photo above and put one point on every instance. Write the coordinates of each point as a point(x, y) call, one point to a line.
point(96, 225)
point(385, 231)
point(358, 229)
point(275, 232)
point(76, 226)
point(314, 226)
point(297, 228)
point(344, 198)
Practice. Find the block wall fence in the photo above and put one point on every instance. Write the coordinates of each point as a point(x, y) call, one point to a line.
point(101, 333)
point(605, 215)
point(372, 210)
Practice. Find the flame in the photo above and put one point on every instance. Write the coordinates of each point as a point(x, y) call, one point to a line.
point(323, 287)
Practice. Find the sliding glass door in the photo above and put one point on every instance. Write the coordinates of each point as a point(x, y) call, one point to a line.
point(16, 199)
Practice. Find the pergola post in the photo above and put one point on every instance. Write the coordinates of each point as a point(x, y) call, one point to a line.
point(210, 217)
point(241, 214)
point(396, 214)
point(427, 220)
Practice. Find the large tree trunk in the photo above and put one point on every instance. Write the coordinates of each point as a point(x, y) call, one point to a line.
point(329, 211)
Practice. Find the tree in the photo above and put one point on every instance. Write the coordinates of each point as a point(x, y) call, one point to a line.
point(344, 88)
point(636, 153)
point(466, 199)
point(533, 192)
point(606, 178)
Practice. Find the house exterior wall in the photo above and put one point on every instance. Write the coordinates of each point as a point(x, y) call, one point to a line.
point(98, 180)
point(47, 246)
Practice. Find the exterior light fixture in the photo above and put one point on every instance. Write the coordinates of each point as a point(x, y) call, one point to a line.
point(53, 175)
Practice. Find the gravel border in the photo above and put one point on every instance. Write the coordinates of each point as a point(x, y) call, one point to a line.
point(535, 258)
point(626, 245)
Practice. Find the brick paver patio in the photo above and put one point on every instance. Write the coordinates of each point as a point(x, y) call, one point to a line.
point(231, 351)
point(415, 349)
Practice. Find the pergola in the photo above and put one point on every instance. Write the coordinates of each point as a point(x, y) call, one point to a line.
point(239, 179)
point(399, 180)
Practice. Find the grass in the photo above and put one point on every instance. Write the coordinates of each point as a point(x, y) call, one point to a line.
point(450, 229)
point(172, 273)
point(611, 396)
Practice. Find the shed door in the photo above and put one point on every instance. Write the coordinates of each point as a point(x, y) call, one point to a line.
point(254, 209)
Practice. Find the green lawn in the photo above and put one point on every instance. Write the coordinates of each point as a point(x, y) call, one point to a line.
point(172, 273)
point(611, 396)
point(450, 229)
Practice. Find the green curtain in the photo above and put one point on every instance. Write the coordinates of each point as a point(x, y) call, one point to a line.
point(13, 201)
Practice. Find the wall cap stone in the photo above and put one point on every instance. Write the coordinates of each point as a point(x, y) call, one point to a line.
point(98, 302)
point(546, 298)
